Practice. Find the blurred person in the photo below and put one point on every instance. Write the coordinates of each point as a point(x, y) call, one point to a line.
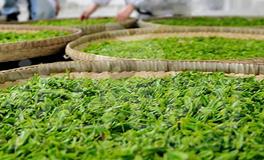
point(145, 8)
point(10, 10)
point(43, 9)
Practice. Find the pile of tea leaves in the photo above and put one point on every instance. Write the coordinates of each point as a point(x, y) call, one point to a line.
point(74, 22)
point(188, 116)
point(212, 21)
point(13, 36)
point(180, 48)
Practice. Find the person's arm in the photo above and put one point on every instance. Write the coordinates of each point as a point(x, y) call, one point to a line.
point(93, 7)
point(89, 11)
point(125, 13)
point(57, 7)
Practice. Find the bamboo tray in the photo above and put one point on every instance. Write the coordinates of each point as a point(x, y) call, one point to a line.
point(148, 22)
point(122, 69)
point(94, 28)
point(30, 49)
point(74, 48)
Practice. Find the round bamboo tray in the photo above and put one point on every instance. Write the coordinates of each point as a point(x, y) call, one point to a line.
point(41, 102)
point(117, 70)
point(30, 49)
point(148, 22)
point(74, 48)
point(95, 28)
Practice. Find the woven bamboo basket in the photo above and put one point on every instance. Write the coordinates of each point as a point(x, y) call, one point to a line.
point(119, 69)
point(30, 49)
point(149, 22)
point(2, 21)
point(95, 28)
point(74, 48)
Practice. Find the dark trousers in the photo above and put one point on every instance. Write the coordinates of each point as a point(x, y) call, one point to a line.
point(29, 9)
point(12, 17)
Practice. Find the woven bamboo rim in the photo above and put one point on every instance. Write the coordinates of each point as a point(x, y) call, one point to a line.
point(147, 23)
point(109, 26)
point(89, 29)
point(30, 49)
point(2, 21)
point(112, 69)
point(228, 66)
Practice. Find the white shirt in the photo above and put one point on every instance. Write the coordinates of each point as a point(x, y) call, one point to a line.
point(105, 2)
point(157, 7)
point(53, 3)
point(166, 7)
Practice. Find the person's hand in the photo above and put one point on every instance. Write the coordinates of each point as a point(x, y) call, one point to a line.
point(125, 13)
point(89, 10)
point(85, 15)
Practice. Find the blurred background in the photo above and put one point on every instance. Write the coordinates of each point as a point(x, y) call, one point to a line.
point(73, 8)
